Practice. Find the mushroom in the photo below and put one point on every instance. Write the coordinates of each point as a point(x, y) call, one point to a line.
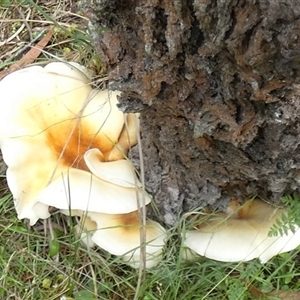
point(108, 211)
point(241, 235)
point(49, 122)
point(119, 234)
point(65, 144)
point(109, 217)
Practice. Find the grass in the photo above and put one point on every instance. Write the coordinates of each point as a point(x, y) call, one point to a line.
point(37, 263)
point(25, 22)
point(34, 268)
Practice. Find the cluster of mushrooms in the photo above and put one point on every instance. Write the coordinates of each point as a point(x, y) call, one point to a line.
point(66, 145)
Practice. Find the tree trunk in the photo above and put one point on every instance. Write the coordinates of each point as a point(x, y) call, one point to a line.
point(217, 86)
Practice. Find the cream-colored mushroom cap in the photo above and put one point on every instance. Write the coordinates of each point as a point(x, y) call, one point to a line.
point(49, 118)
point(241, 236)
point(81, 190)
point(119, 234)
point(120, 172)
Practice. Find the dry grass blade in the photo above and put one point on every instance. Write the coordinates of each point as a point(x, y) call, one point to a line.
point(30, 56)
point(142, 214)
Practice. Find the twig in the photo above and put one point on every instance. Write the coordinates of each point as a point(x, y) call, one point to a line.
point(17, 32)
point(21, 48)
point(25, 21)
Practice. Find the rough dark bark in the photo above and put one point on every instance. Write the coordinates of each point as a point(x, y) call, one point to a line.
point(217, 85)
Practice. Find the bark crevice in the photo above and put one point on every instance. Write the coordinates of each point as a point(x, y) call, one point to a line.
point(217, 85)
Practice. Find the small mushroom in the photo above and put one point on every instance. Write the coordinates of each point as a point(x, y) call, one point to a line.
point(48, 123)
point(241, 235)
point(119, 234)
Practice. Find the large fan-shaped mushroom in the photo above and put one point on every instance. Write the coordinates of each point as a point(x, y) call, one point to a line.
point(49, 118)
